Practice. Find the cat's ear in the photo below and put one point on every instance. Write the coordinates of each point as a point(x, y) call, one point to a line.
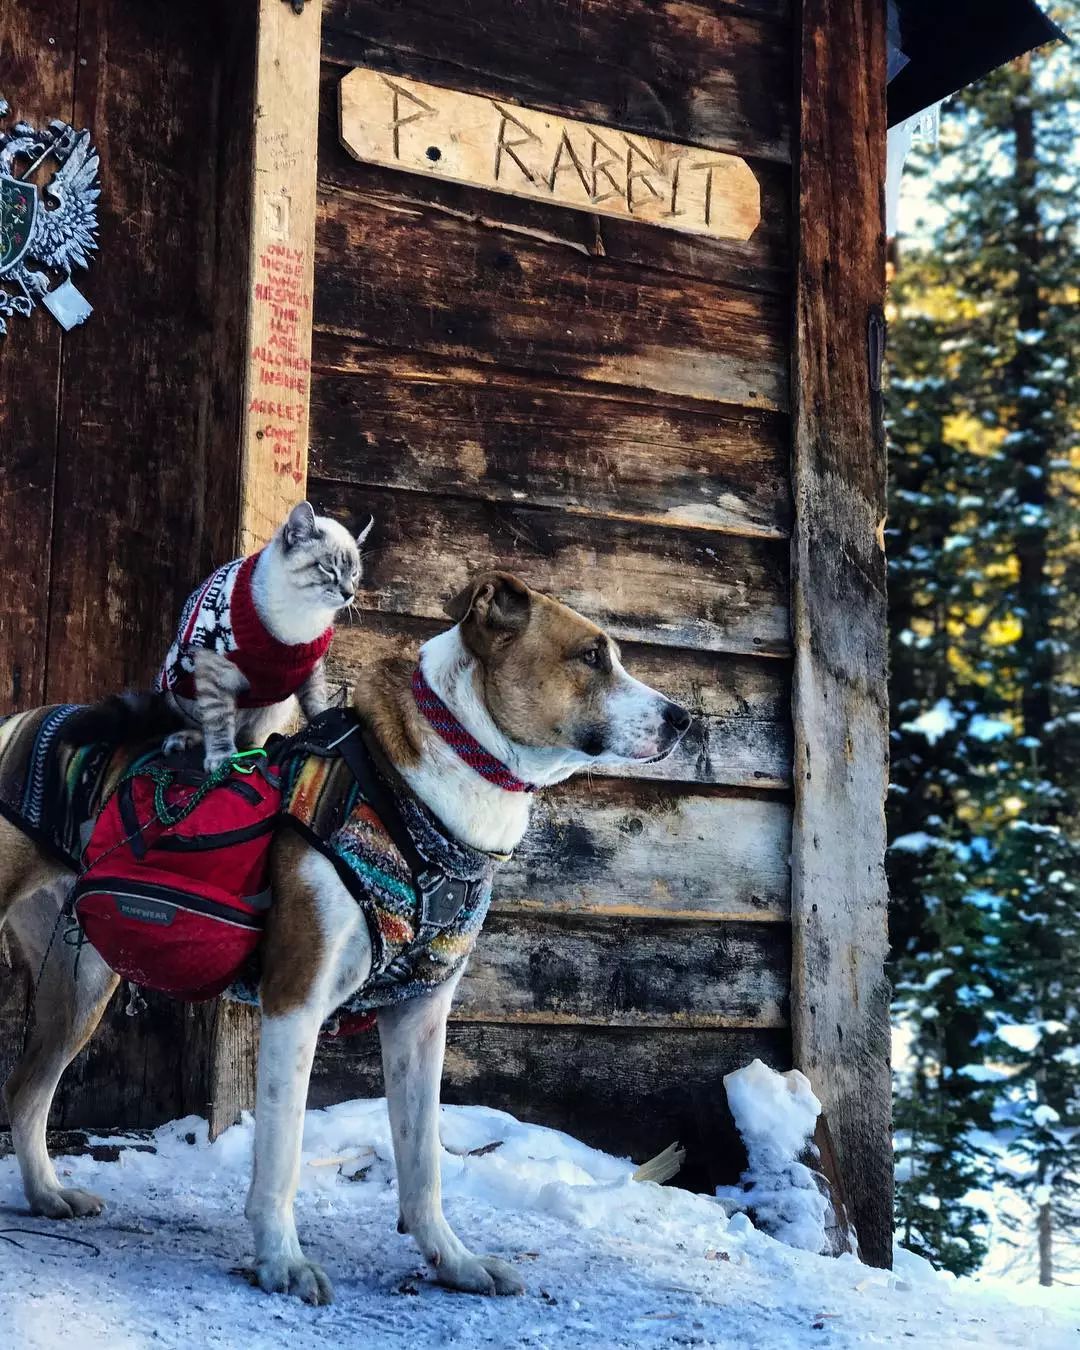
point(364, 532)
point(300, 527)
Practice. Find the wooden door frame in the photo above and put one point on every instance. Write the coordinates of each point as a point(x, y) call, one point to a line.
point(839, 897)
point(222, 1043)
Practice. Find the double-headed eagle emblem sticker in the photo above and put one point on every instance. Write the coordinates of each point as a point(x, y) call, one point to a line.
point(45, 232)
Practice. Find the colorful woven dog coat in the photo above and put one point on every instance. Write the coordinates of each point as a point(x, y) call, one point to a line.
point(419, 937)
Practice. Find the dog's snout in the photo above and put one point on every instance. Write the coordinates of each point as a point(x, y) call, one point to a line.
point(677, 717)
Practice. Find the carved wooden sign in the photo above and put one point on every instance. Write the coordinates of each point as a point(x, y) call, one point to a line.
point(502, 146)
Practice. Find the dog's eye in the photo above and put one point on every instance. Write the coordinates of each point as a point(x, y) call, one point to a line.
point(590, 656)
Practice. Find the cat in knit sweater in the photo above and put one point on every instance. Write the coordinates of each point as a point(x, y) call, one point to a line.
point(255, 633)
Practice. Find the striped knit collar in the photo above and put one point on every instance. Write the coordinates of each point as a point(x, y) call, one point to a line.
point(457, 738)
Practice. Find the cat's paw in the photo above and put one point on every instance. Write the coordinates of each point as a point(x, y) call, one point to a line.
point(181, 741)
point(214, 759)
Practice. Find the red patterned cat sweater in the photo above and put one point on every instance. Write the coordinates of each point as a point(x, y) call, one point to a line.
point(221, 616)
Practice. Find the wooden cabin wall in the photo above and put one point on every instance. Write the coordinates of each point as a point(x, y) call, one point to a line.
point(601, 406)
point(119, 440)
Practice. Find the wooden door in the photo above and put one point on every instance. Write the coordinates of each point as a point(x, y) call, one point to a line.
point(600, 405)
point(119, 456)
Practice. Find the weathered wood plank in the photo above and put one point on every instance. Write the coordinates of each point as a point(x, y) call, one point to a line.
point(141, 437)
point(277, 379)
point(130, 1072)
point(406, 279)
point(38, 81)
point(840, 997)
point(628, 1091)
point(634, 849)
point(762, 262)
point(430, 426)
point(676, 588)
point(742, 733)
point(429, 129)
point(149, 418)
point(551, 969)
point(276, 393)
point(713, 75)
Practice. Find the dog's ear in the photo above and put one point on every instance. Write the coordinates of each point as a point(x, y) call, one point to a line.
point(494, 605)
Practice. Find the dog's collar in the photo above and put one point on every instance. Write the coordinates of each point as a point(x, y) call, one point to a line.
point(457, 738)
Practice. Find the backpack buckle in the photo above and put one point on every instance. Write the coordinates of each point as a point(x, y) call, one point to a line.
point(441, 897)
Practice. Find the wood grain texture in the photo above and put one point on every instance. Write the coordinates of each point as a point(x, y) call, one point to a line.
point(149, 417)
point(404, 278)
point(714, 75)
point(429, 129)
point(276, 390)
point(277, 370)
point(742, 730)
point(671, 587)
point(146, 483)
point(760, 263)
point(616, 849)
point(131, 1072)
point(391, 419)
point(631, 1092)
point(840, 997)
point(556, 969)
point(38, 82)
point(220, 1058)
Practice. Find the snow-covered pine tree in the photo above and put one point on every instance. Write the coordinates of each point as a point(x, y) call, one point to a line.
point(938, 506)
point(1036, 802)
point(985, 410)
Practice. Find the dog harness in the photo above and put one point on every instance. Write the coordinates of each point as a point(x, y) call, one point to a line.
point(424, 894)
point(221, 617)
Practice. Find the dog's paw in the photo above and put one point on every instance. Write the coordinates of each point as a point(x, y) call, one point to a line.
point(479, 1275)
point(181, 741)
point(66, 1202)
point(303, 1279)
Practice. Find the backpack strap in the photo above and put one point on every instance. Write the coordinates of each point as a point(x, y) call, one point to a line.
point(441, 896)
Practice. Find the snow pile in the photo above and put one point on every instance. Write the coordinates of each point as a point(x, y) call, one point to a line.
point(609, 1263)
point(935, 722)
point(775, 1114)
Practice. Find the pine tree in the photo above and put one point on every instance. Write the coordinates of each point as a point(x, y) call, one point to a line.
point(985, 814)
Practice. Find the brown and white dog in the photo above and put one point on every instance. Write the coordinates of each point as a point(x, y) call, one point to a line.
point(543, 690)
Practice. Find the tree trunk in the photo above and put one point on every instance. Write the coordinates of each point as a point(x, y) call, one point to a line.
point(1046, 1240)
point(1035, 448)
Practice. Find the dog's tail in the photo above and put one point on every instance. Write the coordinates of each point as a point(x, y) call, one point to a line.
point(123, 719)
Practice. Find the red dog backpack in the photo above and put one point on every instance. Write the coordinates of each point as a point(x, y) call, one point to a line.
point(174, 892)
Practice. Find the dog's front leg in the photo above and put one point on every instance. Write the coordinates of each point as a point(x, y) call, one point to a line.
point(413, 1038)
point(286, 1051)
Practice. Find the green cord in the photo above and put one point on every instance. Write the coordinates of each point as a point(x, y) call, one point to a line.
point(162, 778)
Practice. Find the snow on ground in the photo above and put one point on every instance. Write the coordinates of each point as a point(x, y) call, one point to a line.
point(775, 1114)
point(610, 1262)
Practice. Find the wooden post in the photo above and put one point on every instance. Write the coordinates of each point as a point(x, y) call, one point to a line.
point(273, 451)
point(840, 998)
point(273, 468)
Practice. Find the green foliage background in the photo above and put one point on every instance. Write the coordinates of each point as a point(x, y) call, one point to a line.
point(984, 544)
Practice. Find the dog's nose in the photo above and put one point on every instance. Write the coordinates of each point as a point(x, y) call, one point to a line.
point(677, 717)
